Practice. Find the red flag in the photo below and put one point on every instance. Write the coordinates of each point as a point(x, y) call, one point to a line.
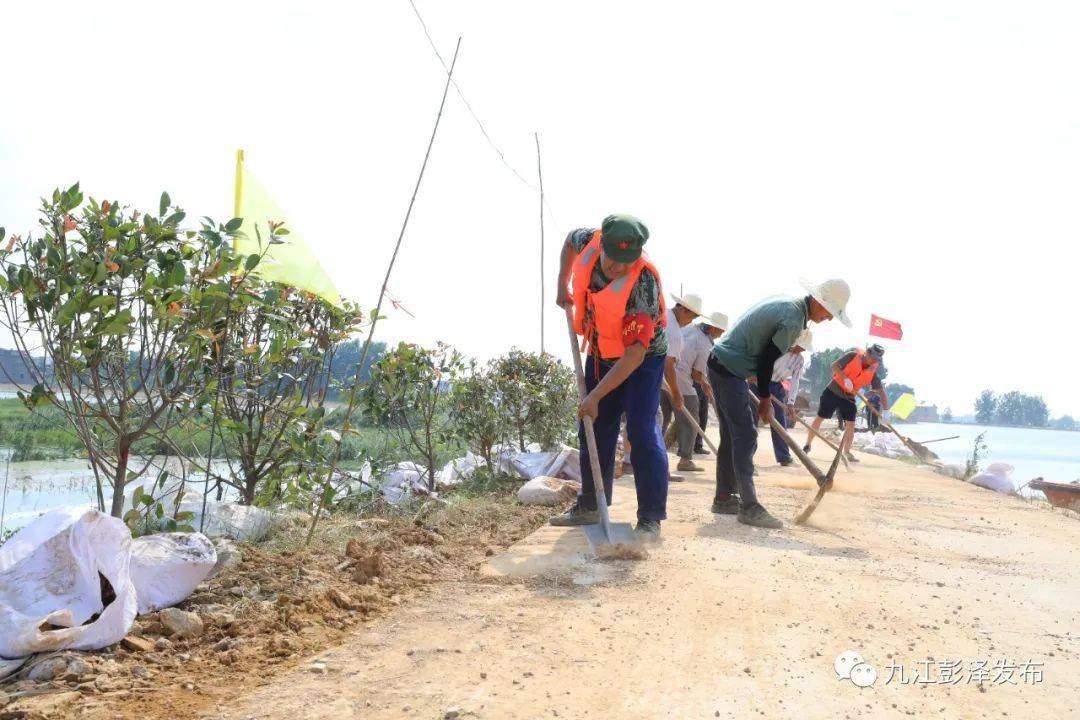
point(880, 327)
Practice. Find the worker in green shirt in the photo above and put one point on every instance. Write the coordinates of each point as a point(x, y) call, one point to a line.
point(750, 348)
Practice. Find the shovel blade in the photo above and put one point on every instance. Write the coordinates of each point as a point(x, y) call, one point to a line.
point(621, 534)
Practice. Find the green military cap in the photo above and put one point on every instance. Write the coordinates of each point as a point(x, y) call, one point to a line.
point(622, 237)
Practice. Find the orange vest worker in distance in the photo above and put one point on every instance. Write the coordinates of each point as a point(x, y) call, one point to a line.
point(614, 292)
point(602, 312)
point(860, 371)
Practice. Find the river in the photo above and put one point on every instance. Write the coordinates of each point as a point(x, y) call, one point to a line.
point(1051, 454)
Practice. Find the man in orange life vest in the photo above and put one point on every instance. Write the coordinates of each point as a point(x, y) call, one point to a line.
point(619, 310)
point(853, 371)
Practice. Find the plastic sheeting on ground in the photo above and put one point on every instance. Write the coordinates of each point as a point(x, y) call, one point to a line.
point(996, 477)
point(166, 568)
point(50, 572)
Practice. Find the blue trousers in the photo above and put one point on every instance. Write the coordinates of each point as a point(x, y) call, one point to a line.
point(738, 438)
point(780, 448)
point(639, 398)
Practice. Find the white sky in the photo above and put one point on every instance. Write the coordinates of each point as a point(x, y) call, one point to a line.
point(926, 151)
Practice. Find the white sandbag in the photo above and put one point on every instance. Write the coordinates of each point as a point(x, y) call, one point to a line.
point(49, 573)
point(245, 523)
point(166, 569)
point(996, 477)
point(561, 463)
point(457, 470)
point(402, 480)
point(546, 490)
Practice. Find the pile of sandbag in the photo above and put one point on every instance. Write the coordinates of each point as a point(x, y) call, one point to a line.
point(996, 477)
point(884, 444)
point(407, 478)
point(54, 571)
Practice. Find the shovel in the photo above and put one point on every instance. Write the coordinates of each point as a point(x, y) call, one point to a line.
point(697, 428)
point(924, 454)
point(607, 538)
point(820, 477)
point(812, 431)
point(807, 511)
point(824, 480)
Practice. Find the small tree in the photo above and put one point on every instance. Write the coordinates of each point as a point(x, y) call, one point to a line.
point(279, 346)
point(974, 461)
point(126, 308)
point(539, 393)
point(479, 414)
point(947, 416)
point(410, 392)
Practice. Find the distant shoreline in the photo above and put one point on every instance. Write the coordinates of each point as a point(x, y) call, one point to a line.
point(971, 424)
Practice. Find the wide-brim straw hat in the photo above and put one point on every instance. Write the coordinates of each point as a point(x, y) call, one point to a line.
point(690, 301)
point(717, 320)
point(833, 295)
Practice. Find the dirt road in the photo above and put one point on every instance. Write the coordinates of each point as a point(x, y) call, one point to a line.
point(935, 582)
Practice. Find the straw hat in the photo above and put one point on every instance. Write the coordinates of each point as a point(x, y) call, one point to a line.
point(717, 320)
point(690, 301)
point(834, 295)
point(805, 341)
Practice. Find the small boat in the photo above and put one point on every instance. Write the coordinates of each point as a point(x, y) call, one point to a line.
point(1066, 495)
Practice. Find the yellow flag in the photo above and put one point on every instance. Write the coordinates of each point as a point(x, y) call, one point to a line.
point(292, 263)
point(903, 406)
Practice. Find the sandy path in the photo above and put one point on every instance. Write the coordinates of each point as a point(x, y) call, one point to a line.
point(907, 567)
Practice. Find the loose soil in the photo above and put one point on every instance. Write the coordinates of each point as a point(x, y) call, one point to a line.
point(279, 605)
point(913, 570)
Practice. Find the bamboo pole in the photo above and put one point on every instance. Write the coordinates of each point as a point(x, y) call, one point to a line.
point(327, 485)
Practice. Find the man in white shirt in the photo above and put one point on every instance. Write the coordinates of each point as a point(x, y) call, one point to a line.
point(679, 316)
point(697, 344)
point(787, 373)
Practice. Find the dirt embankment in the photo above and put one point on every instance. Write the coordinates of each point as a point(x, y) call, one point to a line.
point(267, 612)
point(964, 602)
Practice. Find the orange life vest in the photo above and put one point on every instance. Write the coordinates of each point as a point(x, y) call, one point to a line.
point(606, 308)
point(860, 376)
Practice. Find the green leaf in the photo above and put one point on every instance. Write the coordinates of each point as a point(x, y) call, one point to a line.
point(159, 511)
point(164, 204)
point(251, 262)
point(101, 301)
point(185, 515)
point(176, 218)
point(234, 224)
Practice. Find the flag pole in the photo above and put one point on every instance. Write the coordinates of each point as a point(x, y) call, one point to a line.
point(540, 174)
point(238, 189)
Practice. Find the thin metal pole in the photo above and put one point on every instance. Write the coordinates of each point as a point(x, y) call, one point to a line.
point(540, 174)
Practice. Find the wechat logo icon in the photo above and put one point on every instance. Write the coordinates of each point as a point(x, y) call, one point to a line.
point(849, 665)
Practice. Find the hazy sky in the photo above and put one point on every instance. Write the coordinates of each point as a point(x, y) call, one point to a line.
point(927, 152)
